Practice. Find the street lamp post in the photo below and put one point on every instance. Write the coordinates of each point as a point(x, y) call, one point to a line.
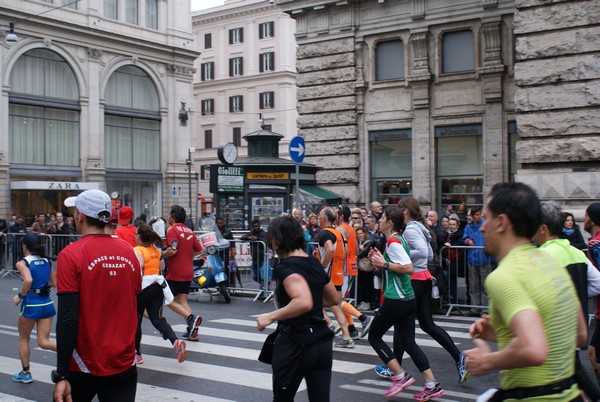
point(188, 162)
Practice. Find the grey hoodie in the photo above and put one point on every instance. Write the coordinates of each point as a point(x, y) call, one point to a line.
point(418, 238)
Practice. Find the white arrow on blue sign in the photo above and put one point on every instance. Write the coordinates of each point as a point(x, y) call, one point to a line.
point(297, 149)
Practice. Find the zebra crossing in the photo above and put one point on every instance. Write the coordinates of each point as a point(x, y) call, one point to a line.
point(223, 366)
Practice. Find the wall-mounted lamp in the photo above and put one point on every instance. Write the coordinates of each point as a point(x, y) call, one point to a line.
point(11, 36)
point(183, 115)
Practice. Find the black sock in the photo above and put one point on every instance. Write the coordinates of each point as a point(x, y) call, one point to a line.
point(26, 369)
point(362, 318)
point(351, 328)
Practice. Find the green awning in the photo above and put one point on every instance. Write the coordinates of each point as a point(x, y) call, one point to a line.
point(328, 197)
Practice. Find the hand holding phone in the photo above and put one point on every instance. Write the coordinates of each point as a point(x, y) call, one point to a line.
point(174, 245)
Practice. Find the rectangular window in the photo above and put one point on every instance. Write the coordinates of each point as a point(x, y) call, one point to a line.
point(458, 53)
point(236, 66)
point(110, 9)
point(132, 143)
point(266, 30)
point(267, 100)
point(236, 35)
point(70, 4)
point(208, 41)
point(460, 164)
point(131, 11)
point(152, 14)
point(207, 71)
point(208, 107)
point(267, 61)
point(391, 165)
point(236, 103)
point(237, 136)
point(208, 139)
point(389, 60)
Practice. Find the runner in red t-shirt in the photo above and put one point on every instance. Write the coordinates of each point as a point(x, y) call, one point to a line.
point(126, 230)
point(98, 279)
point(182, 246)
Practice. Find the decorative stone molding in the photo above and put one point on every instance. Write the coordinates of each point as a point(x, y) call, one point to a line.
point(419, 43)
point(489, 3)
point(493, 42)
point(95, 54)
point(418, 9)
point(181, 70)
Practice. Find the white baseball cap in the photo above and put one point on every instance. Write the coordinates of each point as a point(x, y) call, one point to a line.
point(93, 203)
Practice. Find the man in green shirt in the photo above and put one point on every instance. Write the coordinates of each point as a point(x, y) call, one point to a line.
point(534, 313)
point(585, 276)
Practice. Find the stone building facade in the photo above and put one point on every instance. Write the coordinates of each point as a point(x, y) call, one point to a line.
point(557, 74)
point(92, 96)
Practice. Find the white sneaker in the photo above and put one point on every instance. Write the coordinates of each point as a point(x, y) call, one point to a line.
point(335, 328)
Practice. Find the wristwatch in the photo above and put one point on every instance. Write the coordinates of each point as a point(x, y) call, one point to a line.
point(57, 377)
point(386, 265)
point(20, 296)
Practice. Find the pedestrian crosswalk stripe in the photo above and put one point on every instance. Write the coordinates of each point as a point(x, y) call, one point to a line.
point(339, 366)
point(10, 398)
point(145, 392)
point(386, 384)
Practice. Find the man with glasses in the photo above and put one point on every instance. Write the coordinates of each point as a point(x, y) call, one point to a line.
point(376, 210)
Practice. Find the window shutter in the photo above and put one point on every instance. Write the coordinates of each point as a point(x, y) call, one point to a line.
point(231, 36)
point(241, 35)
point(261, 62)
point(261, 99)
point(241, 66)
point(202, 72)
point(261, 31)
point(207, 41)
point(231, 67)
point(241, 103)
point(272, 26)
point(272, 100)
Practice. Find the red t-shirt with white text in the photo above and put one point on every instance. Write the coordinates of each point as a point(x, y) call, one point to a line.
point(106, 273)
point(181, 267)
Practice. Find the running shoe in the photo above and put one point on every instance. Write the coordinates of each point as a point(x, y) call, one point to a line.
point(384, 372)
point(138, 359)
point(180, 351)
point(354, 334)
point(335, 328)
point(366, 326)
point(345, 343)
point(429, 393)
point(25, 378)
point(463, 371)
point(399, 385)
point(186, 334)
point(195, 324)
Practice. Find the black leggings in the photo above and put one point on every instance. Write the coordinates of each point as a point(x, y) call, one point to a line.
point(151, 299)
point(422, 291)
point(315, 367)
point(113, 388)
point(400, 314)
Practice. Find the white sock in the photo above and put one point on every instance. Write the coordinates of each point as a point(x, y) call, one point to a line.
point(430, 384)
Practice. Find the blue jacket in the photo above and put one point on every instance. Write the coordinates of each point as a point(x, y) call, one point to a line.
point(476, 256)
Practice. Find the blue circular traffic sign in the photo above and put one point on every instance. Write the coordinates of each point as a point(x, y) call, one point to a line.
point(297, 149)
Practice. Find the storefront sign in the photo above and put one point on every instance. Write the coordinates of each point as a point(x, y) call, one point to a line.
point(268, 176)
point(53, 185)
point(230, 179)
point(458, 131)
point(390, 135)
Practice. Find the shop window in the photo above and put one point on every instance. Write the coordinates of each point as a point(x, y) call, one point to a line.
point(391, 165)
point(458, 52)
point(460, 164)
point(389, 60)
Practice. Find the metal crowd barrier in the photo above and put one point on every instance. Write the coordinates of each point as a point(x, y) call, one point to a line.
point(249, 268)
point(453, 260)
point(11, 252)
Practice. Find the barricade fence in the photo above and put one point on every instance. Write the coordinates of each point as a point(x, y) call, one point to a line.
point(248, 264)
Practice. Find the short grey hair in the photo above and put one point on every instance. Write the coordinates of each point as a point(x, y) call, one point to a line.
point(552, 217)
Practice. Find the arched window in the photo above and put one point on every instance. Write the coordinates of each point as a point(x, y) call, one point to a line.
point(132, 121)
point(43, 111)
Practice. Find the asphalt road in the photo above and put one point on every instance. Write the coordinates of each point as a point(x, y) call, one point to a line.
point(223, 365)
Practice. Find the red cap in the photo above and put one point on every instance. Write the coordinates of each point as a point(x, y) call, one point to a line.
point(125, 215)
